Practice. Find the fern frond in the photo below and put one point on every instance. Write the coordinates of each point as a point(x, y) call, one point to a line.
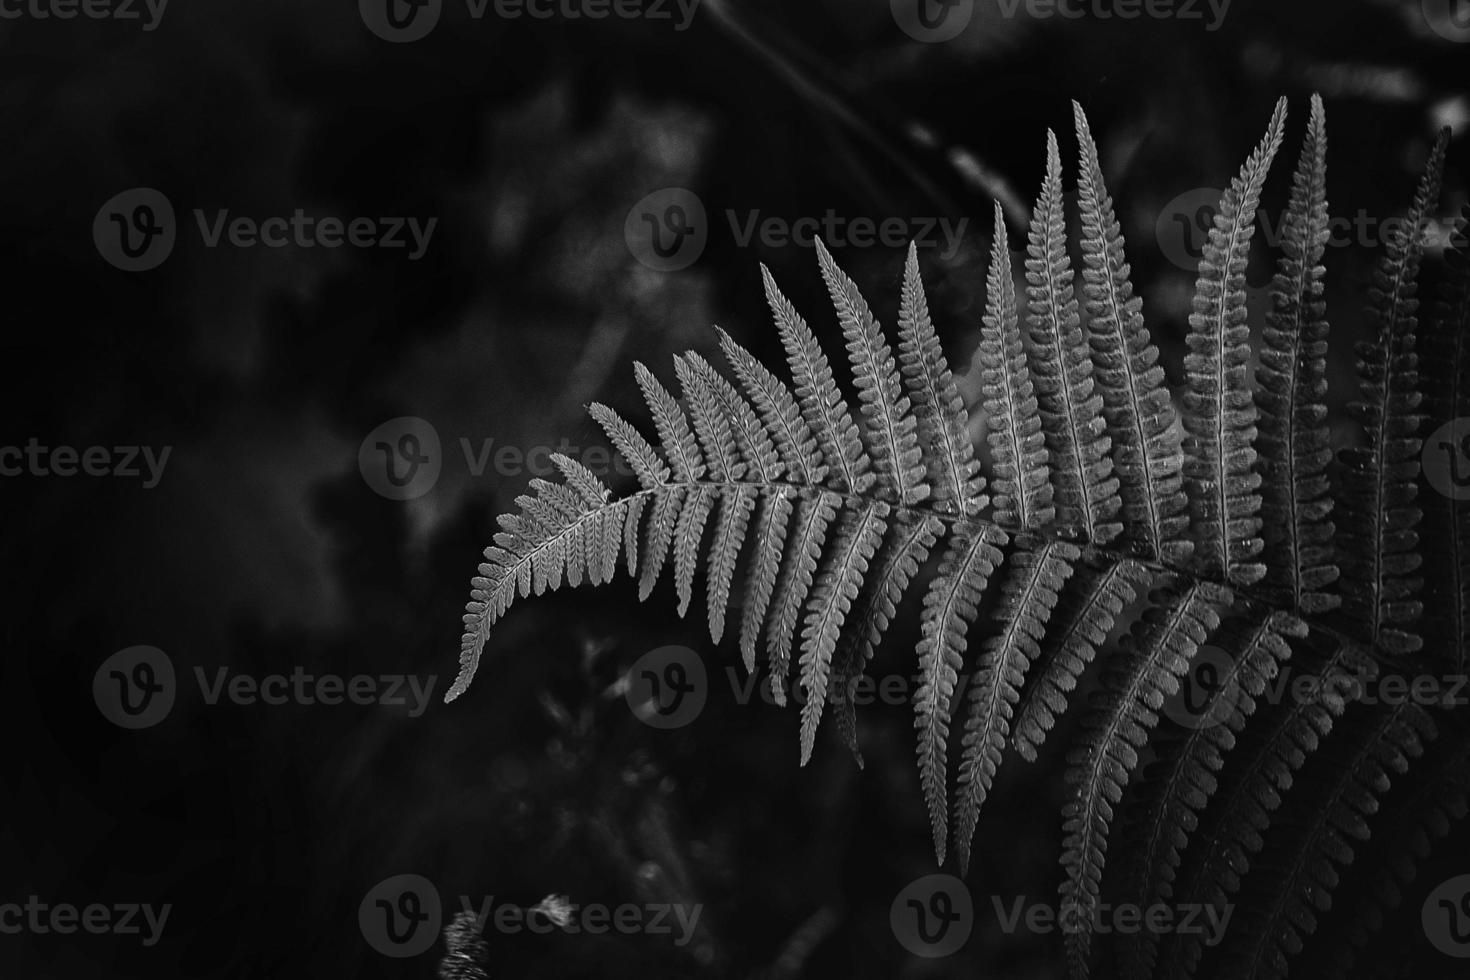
point(1294, 441)
point(1183, 780)
point(1446, 398)
point(1219, 414)
point(1086, 491)
point(891, 430)
point(736, 506)
point(1302, 883)
point(581, 479)
point(1239, 813)
point(1090, 534)
point(643, 458)
point(631, 524)
point(1380, 517)
point(604, 540)
point(1440, 799)
point(908, 548)
point(943, 421)
point(813, 516)
point(799, 451)
point(532, 551)
point(1080, 624)
point(950, 605)
point(711, 424)
point(822, 405)
point(1147, 454)
point(835, 591)
point(688, 533)
point(1034, 579)
point(662, 523)
point(551, 503)
point(765, 564)
point(1023, 495)
point(753, 443)
point(680, 447)
point(1144, 671)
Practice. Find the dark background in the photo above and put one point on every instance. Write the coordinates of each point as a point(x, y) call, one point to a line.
point(264, 549)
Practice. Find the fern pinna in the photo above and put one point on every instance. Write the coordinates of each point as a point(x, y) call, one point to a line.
point(1106, 510)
